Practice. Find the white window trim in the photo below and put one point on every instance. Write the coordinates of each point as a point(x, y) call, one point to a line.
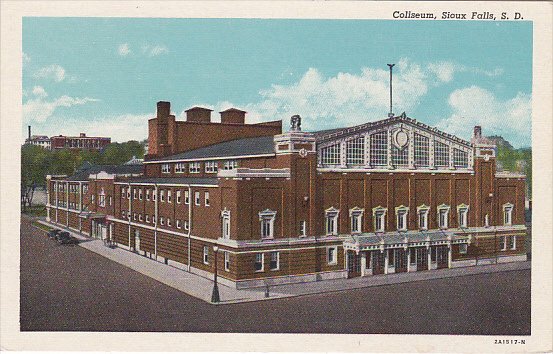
point(514, 246)
point(463, 245)
point(303, 228)
point(463, 208)
point(225, 218)
point(197, 200)
point(161, 195)
point(270, 216)
point(205, 256)
point(169, 196)
point(335, 260)
point(165, 168)
point(227, 261)
point(262, 262)
point(503, 244)
point(356, 213)
point(331, 213)
point(178, 197)
point(423, 209)
point(439, 209)
point(403, 212)
point(277, 261)
point(508, 207)
point(381, 212)
point(206, 199)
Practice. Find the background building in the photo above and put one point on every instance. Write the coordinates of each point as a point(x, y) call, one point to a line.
point(81, 142)
point(394, 195)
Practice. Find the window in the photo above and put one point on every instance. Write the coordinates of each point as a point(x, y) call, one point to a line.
point(147, 194)
point(512, 242)
point(110, 201)
point(154, 195)
point(303, 228)
point(186, 197)
point(379, 215)
point(258, 264)
point(441, 154)
point(206, 198)
point(185, 224)
point(178, 197)
point(274, 264)
point(129, 193)
point(211, 167)
point(443, 214)
point(147, 219)
point(460, 158)
point(462, 215)
point(161, 221)
point(421, 151)
point(134, 194)
point(194, 167)
point(267, 219)
point(123, 213)
point(422, 213)
point(463, 248)
point(197, 198)
point(162, 195)
point(154, 220)
point(400, 157)
point(356, 218)
point(128, 215)
point(180, 167)
point(331, 218)
point(165, 168)
point(330, 155)
point(379, 148)
point(401, 218)
point(331, 253)
point(355, 151)
point(85, 189)
point(92, 199)
point(134, 216)
point(168, 196)
point(102, 198)
point(225, 215)
point(227, 261)
point(507, 214)
point(169, 222)
point(139, 217)
point(503, 243)
point(122, 192)
point(230, 165)
point(206, 254)
point(178, 224)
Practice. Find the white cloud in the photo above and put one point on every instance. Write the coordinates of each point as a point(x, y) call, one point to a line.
point(124, 50)
point(445, 70)
point(38, 109)
point(39, 91)
point(119, 128)
point(154, 50)
point(511, 118)
point(53, 71)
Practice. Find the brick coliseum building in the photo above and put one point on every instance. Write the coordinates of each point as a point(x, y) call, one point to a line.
point(394, 195)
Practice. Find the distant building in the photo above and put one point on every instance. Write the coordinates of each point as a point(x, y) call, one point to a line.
point(81, 142)
point(39, 140)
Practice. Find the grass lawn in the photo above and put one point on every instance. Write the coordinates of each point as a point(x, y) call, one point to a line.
point(35, 210)
point(41, 226)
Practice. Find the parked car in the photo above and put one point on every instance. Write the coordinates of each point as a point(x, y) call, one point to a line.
point(53, 233)
point(64, 238)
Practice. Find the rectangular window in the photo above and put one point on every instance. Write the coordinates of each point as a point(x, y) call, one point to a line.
point(400, 157)
point(206, 254)
point(423, 219)
point(147, 194)
point(331, 253)
point(463, 248)
point(102, 200)
point(178, 197)
point(331, 223)
point(134, 216)
point(379, 220)
point(463, 212)
point(92, 199)
point(512, 242)
point(110, 201)
point(162, 195)
point(169, 222)
point(507, 214)
point(139, 217)
point(140, 194)
point(185, 224)
point(275, 261)
point(443, 218)
point(258, 264)
point(379, 149)
point(303, 228)
point(194, 167)
point(441, 154)
point(226, 225)
point(503, 243)
point(165, 168)
point(123, 192)
point(154, 220)
point(460, 158)
point(197, 198)
point(186, 197)
point(421, 151)
point(227, 261)
point(206, 198)
point(168, 196)
point(211, 167)
point(154, 195)
point(161, 221)
point(356, 221)
point(147, 219)
point(355, 152)
point(180, 167)
point(330, 155)
point(178, 224)
point(230, 165)
point(134, 194)
point(401, 220)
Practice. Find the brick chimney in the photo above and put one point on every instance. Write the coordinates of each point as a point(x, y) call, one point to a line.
point(29, 132)
point(163, 109)
point(477, 132)
point(233, 116)
point(198, 114)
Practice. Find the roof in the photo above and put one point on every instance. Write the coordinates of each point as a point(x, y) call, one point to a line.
point(196, 108)
point(260, 145)
point(233, 110)
point(170, 180)
point(329, 134)
point(85, 171)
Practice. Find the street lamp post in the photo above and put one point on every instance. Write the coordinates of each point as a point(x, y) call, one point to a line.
point(215, 294)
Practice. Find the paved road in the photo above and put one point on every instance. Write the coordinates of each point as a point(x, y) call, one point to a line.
point(67, 288)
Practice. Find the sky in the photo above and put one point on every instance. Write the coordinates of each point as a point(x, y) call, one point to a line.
point(103, 76)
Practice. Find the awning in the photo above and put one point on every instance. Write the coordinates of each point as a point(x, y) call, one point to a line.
point(92, 215)
point(368, 242)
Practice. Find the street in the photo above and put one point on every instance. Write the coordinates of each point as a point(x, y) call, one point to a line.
point(65, 288)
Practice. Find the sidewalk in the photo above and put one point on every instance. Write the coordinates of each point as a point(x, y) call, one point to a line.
point(200, 287)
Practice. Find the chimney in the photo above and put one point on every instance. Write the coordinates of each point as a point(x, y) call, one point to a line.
point(163, 109)
point(233, 116)
point(198, 114)
point(29, 132)
point(477, 132)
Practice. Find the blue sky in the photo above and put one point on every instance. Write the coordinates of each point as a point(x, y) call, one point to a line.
point(103, 76)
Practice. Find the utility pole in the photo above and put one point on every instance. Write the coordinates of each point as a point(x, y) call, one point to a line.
point(391, 114)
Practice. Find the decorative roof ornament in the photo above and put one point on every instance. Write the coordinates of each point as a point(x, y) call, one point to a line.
point(295, 123)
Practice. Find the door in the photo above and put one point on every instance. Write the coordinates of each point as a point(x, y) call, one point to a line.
point(422, 258)
point(377, 259)
point(354, 264)
point(136, 240)
point(442, 255)
point(400, 260)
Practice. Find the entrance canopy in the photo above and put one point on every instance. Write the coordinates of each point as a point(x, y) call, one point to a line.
point(369, 242)
point(92, 215)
